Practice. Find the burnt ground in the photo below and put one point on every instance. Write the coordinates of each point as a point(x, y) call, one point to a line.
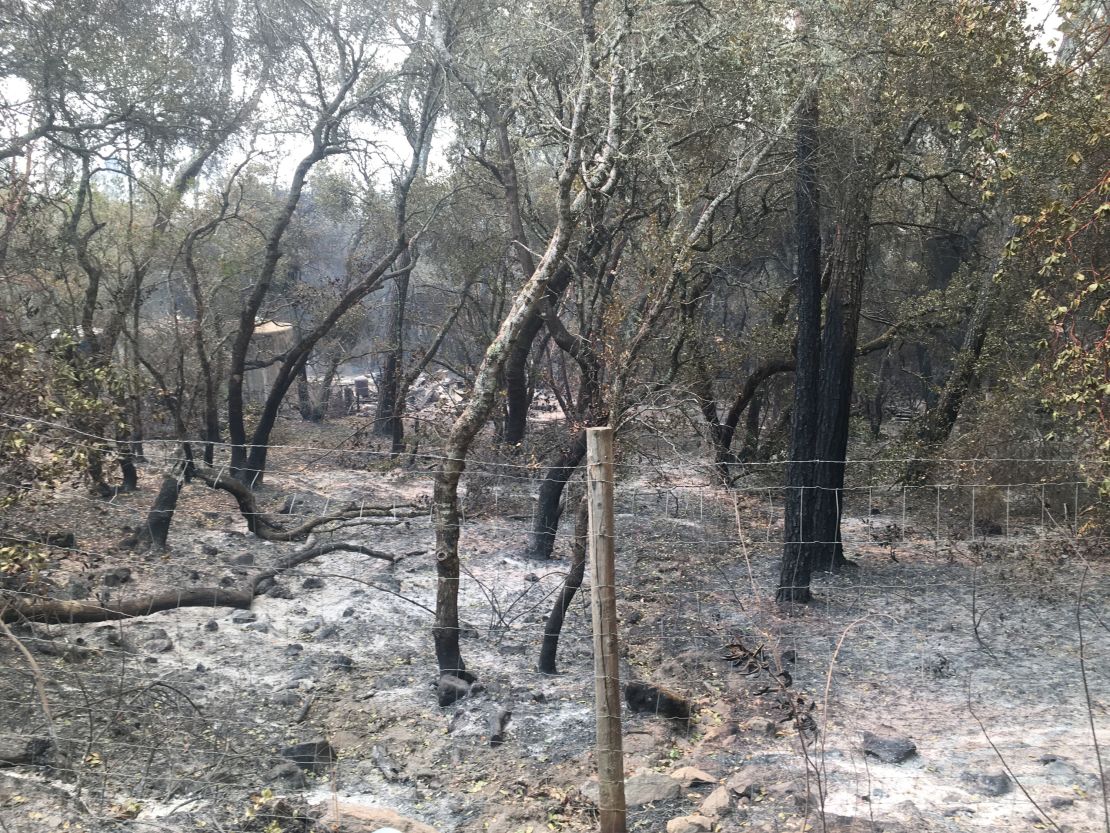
point(964, 643)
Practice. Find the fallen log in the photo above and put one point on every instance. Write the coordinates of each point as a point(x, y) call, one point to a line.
point(64, 611)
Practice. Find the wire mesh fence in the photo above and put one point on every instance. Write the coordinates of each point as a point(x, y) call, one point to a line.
point(953, 678)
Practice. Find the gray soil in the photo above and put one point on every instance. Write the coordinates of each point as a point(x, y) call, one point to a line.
point(966, 646)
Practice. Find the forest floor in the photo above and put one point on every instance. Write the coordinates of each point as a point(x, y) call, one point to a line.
point(967, 647)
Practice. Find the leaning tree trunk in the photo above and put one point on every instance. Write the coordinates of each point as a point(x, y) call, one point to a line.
point(938, 422)
point(794, 579)
point(546, 523)
point(156, 530)
point(553, 628)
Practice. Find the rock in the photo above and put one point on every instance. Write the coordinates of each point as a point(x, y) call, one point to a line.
point(279, 591)
point(689, 776)
point(208, 549)
point(1061, 802)
point(115, 577)
point(211, 625)
point(78, 589)
point(159, 646)
point(889, 750)
point(20, 750)
point(312, 583)
point(242, 617)
point(246, 559)
point(61, 540)
point(312, 756)
point(353, 818)
point(327, 631)
point(341, 662)
point(992, 784)
point(258, 627)
point(717, 804)
point(450, 689)
point(348, 612)
point(263, 586)
point(287, 698)
point(289, 774)
point(690, 824)
point(650, 788)
point(749, 781)
point(312, 625)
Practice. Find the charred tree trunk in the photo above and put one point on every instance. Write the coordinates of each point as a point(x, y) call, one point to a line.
point(304, 396)
point(553, 628)
point(848, 265)
point(794, 579)
point(156, 530)
point(546, 524)
point(392, 370)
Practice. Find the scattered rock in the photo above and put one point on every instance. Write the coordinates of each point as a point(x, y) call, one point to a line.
point(889, 750)
point(287, 698)
point(246, 559)
point(312, 625)
point(258, 627)
point(289, 773)
point(450, 689)
point(61, 540)
point(689, 776)
point(279, 591)
point(312, 583)
point(717, 804)
point(263, 586)
point(1061, 802)
point(78, 589)
point(353, 818)
point(327, 631)
point(211, 625)
point(650, 788)
point(312, 756)
point(115, 576)
point(243, 617)
point(19, 750)
point(690, 824)
point(991, 784)
point(341, 662)
point(209, 549)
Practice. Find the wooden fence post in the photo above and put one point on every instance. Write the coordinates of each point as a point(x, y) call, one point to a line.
point(603, 595)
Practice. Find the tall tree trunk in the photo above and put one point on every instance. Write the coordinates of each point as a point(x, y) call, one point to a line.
point(393, 367)
point(797, 529)
point(304, 396)
point(848, 266)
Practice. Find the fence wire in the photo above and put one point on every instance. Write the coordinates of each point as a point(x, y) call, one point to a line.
point(971, 628)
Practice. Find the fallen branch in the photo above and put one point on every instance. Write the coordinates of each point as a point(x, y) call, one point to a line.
point(61, 611)
point(268, 528)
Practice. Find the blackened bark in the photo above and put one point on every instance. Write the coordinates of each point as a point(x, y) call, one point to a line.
point(546, 524)
point(156, 530)
point(392, 369)
point(518, 392)
point(848, 265)
point(553, 628)
point(794, 579)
